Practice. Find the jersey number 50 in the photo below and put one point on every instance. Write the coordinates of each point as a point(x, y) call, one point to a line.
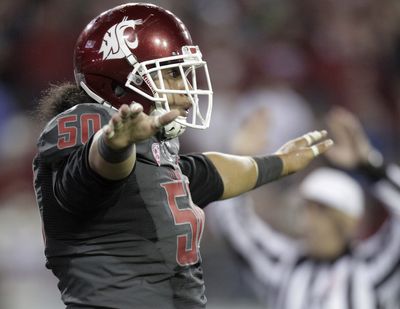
point(187, 252)
point(73, 132)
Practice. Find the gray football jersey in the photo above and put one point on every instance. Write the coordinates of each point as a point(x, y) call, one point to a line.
point(131, 243)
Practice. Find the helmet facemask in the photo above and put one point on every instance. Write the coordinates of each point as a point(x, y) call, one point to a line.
point(193, 71)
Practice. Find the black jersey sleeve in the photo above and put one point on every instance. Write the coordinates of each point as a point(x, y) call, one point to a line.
point(205, 183)
point(64, 147)
point(80, 190)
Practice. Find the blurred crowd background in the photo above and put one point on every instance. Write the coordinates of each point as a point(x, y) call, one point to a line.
point(300, 56)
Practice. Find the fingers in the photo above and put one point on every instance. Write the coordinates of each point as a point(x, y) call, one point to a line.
point(135, 109)
point(164, 119)
point(117, 120)
point(131, 111)
point(321, 147)
point(313, 137)
point(115, 124)
point(108, 131)
point(305, 149)
point(133, 116)
point(124, 112)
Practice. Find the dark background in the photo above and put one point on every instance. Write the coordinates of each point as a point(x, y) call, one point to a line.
point(321, 52)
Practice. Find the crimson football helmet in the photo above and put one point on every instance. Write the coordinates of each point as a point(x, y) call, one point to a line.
point(122, 56)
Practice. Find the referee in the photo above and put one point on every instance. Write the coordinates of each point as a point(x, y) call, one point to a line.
point(326, 269)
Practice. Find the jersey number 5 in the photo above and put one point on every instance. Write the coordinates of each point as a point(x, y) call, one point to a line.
point(192, 217)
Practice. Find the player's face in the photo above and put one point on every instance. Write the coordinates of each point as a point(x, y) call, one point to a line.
point(174, 80)
point(327, 231)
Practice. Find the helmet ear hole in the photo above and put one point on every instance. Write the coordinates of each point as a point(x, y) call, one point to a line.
point(118, 90)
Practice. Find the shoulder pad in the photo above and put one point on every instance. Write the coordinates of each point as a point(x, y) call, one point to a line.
point(71, 129)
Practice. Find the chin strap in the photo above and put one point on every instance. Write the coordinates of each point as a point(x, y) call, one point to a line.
point(94, 96)
point(171, 130)
point(91, 94)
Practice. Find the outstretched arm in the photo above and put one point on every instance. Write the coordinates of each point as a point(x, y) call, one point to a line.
point(112, 153)
point(241, 174)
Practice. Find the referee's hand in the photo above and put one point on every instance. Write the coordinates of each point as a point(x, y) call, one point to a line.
point(298, 153)
point(352, 145)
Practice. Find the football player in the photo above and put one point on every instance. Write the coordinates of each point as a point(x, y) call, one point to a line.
point(121, 209)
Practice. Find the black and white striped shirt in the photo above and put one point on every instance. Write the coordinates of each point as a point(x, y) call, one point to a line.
point(367, 277)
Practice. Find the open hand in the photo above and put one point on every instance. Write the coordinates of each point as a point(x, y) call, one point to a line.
point(352, 147)
point(298, 153)
point(130, 125)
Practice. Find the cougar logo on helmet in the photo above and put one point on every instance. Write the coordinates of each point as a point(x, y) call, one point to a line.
point(116, 43)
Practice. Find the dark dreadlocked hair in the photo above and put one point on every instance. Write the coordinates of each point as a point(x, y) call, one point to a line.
point(58, 98)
